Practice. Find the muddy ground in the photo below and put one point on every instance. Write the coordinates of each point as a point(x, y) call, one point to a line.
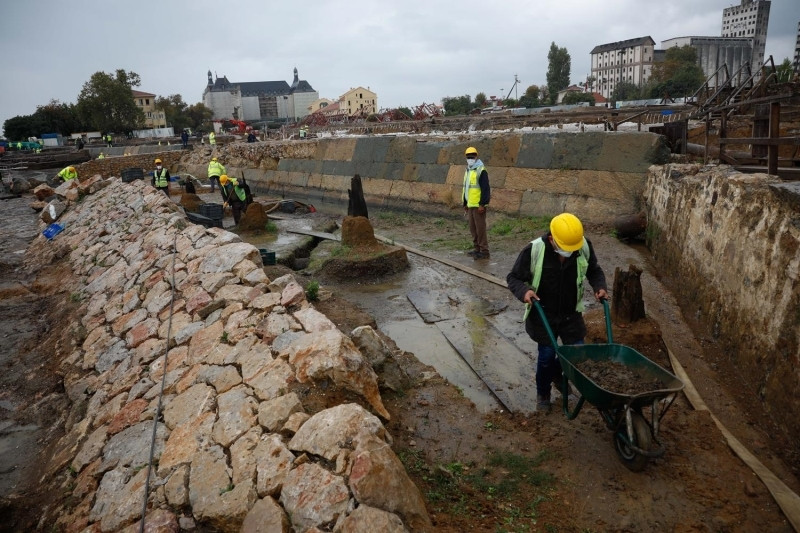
point(478, 467)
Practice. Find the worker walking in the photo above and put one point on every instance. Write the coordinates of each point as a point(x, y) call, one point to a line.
point(233, 195)
point(66, 174)
point(161, 178)
point(551, 270)
point(475, 195)
point(215, 170)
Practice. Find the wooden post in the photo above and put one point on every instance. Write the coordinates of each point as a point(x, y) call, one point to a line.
point(774, 133)
point(356, 205)
point(627, 304)
point(705, 153)
point(723, 133)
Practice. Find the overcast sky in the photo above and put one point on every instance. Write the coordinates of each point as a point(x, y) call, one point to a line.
point(408, 51)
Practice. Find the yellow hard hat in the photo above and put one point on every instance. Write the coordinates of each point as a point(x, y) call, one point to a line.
point(223, 179)
point(471, 150)
point(71, 169)
point(567, 231)
point(213, 158)
point(158, 161)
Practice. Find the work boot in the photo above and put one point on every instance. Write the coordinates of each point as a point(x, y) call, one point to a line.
point(473, 253)
point(481, 255)
point(543, 403)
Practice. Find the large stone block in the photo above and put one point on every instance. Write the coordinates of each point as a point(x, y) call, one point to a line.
point(401, 150)
point(427, 153)
point(537, 204)
point(536, 150)
point(431, 173)
point(506, 201)
point(504, 151)
point(631, 152)
point(370, 149)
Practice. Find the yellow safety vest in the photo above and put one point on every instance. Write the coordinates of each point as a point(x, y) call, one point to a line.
point(67, 175)
point(212, 139)
point(161, 181)
point(472, 190)
point(215, 169)
point(537, 261)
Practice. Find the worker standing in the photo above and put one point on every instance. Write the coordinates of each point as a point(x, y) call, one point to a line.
point(161, 178)
point(233, 195)
point(475, 195)
point(185, 139)
point(212, 139)
point(66, 174)
point(109, 140)
point(215, 170)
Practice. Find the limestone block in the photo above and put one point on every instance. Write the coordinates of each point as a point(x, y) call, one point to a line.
point(266, 516)
point(273, 461)
point(272, 414)
point(312, 496)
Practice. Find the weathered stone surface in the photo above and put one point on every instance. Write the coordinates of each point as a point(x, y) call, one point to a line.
point(366, 519)
point(273, 460)
point(292, 294)
point(176, 489)
point(325, 433)
point(266, 301)
point(141, 332)
point(119, 499)
point(109, 409)
point(378, 479)
point(127, 416)
point(293, 423)
point(224, 258)
point(275, 324)
point(371, 345)
point(236, 414)
point(278, 284)
point(266, 516)
point(204, 343)
point(188, 405)
point(43, 192)
point(272, 414)
point(112, 355)
point(222, 378)
point(52, 211)
point(91, 448)
point(243, 460)
point(330, 354)
point(185, 441)
point(234, 293)
point(273, 380)
point(156, 521)
point(131, 446)
point(312, 320)
point(253, 360)
point(312, 496)
point(212, 495)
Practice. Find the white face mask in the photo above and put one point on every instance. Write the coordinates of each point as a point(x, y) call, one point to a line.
point(559, 251)
point(471, 162)
point(158, 167)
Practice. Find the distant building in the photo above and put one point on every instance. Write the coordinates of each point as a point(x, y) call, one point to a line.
point(258, 100)
point(749, 20)
point(629, 61)
point(147, 103)
point(564, 92)
point(318, 104)
point(358, 101)
point(797, 51)
point(713, 52)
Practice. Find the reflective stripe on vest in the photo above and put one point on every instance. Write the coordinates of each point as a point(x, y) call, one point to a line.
point(472, 190)
point(161, 181)
point(537, 260)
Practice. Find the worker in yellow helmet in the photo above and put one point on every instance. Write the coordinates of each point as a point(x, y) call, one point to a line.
point(161, 177)
point(551, 270)
point(233, 195)
point(475, 195)
point(215, 170)
point(66, 174)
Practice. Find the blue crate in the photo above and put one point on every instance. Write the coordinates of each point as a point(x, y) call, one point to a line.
point(52, 230)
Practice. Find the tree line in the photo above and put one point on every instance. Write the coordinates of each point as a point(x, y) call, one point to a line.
point(104, 104)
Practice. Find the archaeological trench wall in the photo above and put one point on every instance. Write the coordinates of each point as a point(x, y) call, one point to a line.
point(733, 243)
point(600, 175)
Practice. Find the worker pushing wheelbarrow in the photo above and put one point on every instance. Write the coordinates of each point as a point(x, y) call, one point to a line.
point(633, 414)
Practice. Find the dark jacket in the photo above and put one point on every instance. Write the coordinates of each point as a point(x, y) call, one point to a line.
point(558, 293)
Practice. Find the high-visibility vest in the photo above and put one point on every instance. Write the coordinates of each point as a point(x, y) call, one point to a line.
point(472, 190)
point(238, 190)
point(67, 175)
point(215, 168)
point(537, 260)
point(161, 181)
point(212, 139)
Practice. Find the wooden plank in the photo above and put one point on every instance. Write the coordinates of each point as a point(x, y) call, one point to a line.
point(761, 141)
point(774, 134)
point(317, 234)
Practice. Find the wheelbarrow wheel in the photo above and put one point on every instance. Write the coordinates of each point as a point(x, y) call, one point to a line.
point(633, 460)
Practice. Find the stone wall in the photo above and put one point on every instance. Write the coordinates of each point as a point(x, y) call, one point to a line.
point(113, 166)
point(166, 303)
point(599, 175)
point(733, 242)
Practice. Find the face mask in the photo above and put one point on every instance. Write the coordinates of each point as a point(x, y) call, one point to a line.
point(158, 167)
point(563, 253)
point(471, 162)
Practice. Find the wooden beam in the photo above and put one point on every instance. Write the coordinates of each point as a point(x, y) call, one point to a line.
point(764, 141)
point(774, 134)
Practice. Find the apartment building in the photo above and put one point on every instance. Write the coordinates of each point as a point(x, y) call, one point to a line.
point(147, 103)
point(750, 20)
point(628, 61)
point(358, 101)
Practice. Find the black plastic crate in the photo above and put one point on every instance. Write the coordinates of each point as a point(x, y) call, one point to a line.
point(131, 174)
point(212, 211)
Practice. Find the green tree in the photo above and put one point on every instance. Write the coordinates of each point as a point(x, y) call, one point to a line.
point(559, 64)
point(531, 97)
point(457, 105)
point(785, 71)
point(59, 118)
point(21, 127)
point(678, 75)
point(174, 109)
point(575, 98)
point(106, 103)
point(406, 111)
point(197, 115)
point(626, 90)
point(480, 99)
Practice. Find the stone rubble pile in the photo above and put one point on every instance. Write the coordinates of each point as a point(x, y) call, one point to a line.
point(235, 448)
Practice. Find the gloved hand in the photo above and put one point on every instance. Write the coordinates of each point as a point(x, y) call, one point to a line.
point(225, 205)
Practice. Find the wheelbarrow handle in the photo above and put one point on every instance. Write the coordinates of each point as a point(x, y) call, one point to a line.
point(547, 327)
point(608, 320)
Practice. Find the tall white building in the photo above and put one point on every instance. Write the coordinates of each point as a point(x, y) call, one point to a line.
point(750, 20)
point(797, 51)
point(713, 52)
point(629, 61)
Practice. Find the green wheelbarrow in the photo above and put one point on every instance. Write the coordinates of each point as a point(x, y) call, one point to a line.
point(634, 418)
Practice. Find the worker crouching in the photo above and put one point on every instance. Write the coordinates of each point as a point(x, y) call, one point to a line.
point(233, 195)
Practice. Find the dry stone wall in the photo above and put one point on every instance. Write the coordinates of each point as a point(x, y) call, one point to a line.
point(170, 304)
point(600, 175)
point(733, 242)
